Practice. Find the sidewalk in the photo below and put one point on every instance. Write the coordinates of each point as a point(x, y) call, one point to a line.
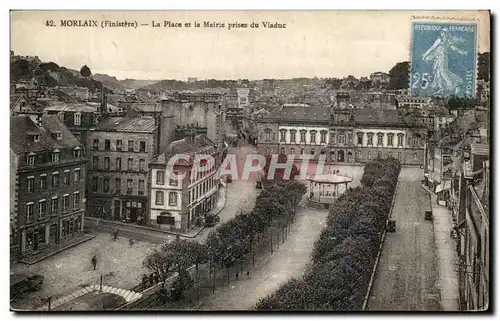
point(447, 255)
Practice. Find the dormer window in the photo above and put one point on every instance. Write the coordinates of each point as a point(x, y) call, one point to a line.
point(77, 152)
point(57, 136)
point(36, 138)
point(55, 156)
point(30, 160)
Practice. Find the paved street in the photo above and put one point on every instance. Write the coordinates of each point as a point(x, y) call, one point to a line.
point(407, 275)
point(240, 195)
point(290, 260)
point(118, 262)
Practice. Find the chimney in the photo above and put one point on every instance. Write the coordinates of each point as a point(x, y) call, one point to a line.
point(165, 126)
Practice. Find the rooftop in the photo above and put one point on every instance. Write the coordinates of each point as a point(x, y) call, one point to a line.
point(125, 124)
point(20, 126)
point(200, 144)
point(377, 116)
point(299, 112)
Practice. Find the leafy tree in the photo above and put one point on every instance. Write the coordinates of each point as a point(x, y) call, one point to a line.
point(457, 103)
point(85, 72)
point(399, 76)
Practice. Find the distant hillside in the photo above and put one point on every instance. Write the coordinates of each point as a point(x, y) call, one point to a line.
point(108, 81)
point(136, 83)
point(49, 74)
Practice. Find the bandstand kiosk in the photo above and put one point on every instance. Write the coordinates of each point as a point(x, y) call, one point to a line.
point(324, 189)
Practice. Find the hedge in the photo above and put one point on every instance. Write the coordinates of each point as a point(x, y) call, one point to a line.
point(344, 254)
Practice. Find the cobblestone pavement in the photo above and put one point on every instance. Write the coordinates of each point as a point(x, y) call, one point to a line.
point(407, 274)
point(67, 272)
point(290, 260)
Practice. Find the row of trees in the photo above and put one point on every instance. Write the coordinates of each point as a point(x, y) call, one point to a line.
point(232, 241)
point(344, 254)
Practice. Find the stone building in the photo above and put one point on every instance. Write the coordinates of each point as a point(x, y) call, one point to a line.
point(120, 150)
point(179, 204)
point(199, 110)
point(48, 168)
point(344, 134)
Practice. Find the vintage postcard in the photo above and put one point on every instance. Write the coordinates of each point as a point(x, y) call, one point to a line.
point(250, 160)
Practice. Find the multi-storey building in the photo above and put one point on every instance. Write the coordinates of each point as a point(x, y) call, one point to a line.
point(198, 109)
point(472, 222)
point(48, 168)
point(344, 133)
point(120, 150)
point(179, 204)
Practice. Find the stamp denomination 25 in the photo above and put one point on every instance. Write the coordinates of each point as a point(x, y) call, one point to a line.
point(443, 59)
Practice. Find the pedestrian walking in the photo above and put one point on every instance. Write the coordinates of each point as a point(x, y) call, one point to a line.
point(94, 262)
point(115, 235)
point(131, 242)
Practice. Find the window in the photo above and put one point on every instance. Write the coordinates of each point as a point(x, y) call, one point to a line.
point(105, 185)
point(107, 144)
point(54, 205)
point(293, 136)
point(130, 145)
point(55, 157)
point(106, 163)
point(66, 177)
point(360, 138)
point(282, 135)
point(313, 136)
point(349, 138)
point(55, 179)
point(292, 151)
point(43, 182)
point(303, 135)
point(160, 177)
point(142, 165)
point(268, 134)
point(118, 185)
point(61, 115)
point(312, 151)
point(77, 175)
point(130, 164)
point(77, 153)
point(29, 212)
point(65, 203)
point(36, 138)
point(173, 182)
point(95, 144)
point(370, 140)
point(31, 184)
point(390, 139)
point(76, 200)
point(78, 119)
point(95, 184)
point(369, 155)
point(129, 186)
point(159, 198)
point(341, 139)
point(118, 164)
point(119, 145)
point(141, 187)
point(42, 208)
point(142, 146)
point(283, 150)
point(172, 199)
point(301, 151)
point(58, 136)
point(323, 137)
point(389, 155)
point(95, 162)
point(30, 160)
point(332, 138)
point(400, 156)
point(400, 139)
point(380, 139)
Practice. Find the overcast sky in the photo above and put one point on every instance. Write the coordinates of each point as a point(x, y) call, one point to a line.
point(321, 43)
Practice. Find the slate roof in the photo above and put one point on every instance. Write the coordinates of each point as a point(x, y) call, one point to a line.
point(200, 144)
point(76, 107)
point(21, 126)
point(298, 112)
point(124, 124)
point(377, 116)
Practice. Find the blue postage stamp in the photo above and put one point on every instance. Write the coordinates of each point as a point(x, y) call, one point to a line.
point(443, 59)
